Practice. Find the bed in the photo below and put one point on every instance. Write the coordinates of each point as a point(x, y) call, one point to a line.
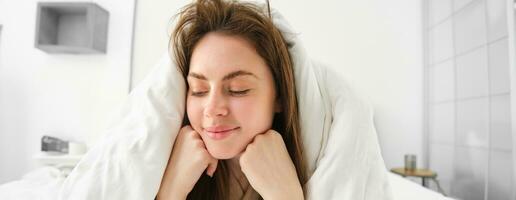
point(45, 182)
point(405, 189)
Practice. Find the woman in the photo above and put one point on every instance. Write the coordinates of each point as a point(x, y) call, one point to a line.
point(241, 139)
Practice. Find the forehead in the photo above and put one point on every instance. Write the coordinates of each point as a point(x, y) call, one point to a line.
point(217, 54)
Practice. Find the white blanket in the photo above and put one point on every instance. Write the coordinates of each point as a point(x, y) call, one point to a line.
point(40, 184)
point(403, 188)
point(44, 183)
point(339, 137)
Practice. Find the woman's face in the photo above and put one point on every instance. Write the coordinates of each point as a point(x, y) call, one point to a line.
point(231, 96)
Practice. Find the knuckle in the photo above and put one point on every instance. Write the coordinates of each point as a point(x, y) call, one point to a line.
point(184, 132)
point(259, 137)
point(191, 134)
point(250, 145)
point(272, 132)
point(186, 128)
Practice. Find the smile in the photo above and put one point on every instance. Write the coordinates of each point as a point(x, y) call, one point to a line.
point(219, 132)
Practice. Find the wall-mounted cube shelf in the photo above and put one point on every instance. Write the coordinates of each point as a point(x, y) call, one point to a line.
point(71, 27)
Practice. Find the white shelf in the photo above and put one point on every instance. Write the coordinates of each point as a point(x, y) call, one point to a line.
point(71, 27)
point(58, 160)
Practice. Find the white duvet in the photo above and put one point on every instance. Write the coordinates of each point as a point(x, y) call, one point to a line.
point(337, 127)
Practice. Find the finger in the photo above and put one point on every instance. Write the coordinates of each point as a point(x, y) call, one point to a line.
point(187, 128)
point(184, 131)
point(257, 138)
point(212, 167)
point(272, 132)
point(196, 134)
point(254, 138)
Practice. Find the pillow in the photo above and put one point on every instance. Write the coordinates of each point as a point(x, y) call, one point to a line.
point(341, 147)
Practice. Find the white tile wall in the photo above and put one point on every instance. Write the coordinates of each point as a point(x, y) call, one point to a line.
point(445, 185)
point(459, 4)
point(497, 19)
point(442, 123)
point(442, 81)
point(470, 141)
point(499, 67)
point(441, 161)
point(472, 77)
point(500, 175)
point(440, 10)
point(469, 170)
point(473, 122)
point(470, 27)
point(441, 44)
point(501, 123)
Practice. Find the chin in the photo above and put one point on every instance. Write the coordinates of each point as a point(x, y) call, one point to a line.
point(221, 154)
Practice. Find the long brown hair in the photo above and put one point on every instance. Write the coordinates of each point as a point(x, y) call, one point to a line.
point(254, 23)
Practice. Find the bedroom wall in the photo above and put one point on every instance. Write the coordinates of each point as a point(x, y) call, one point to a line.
point(68, 96)
point(469, 98)
point(376, 44)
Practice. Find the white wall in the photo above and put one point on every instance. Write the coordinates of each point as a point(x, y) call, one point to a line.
point(469, 99)
point(376, 44)
point(69, 96)
point(153, 25)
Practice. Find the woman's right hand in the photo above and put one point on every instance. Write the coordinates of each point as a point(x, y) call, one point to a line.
point(188, 160)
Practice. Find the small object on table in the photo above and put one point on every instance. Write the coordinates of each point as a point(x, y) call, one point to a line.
point(53, 144)
point(62, 154)
point(410, 161)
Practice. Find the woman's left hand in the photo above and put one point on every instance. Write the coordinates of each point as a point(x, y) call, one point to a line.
point(269, 168)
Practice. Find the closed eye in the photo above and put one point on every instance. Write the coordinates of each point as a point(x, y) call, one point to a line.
point(198, 94)
point(239, 92)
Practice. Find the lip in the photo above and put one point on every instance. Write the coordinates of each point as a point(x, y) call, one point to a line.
point(219, 132)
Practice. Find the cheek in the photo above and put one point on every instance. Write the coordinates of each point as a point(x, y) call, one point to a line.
point(194, 112)
point(254, 114)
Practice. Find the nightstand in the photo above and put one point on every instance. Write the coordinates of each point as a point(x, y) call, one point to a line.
point(424, 174)
point(63, 162)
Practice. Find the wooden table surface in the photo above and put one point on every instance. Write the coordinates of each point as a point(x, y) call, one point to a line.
point(424, 173)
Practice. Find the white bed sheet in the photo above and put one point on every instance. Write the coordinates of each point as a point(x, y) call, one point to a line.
point(44, 184)
point(404, 189)
point(40, 184)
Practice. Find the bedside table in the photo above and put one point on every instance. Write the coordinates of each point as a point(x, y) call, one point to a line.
point(63, 162)
point(424, 174)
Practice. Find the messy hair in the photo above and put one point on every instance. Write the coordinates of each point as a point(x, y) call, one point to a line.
point(253, 23)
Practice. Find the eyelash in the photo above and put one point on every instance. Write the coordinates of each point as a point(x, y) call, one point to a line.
point(239, 93)
point(234, 93)
point(197, 94)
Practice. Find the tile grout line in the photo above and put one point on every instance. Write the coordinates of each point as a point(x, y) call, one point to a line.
point(455, 104)
point(426, 114)
point(499, 94)
point(449, 144)
point(489, 113)
point(468, 51)
point(453, 13)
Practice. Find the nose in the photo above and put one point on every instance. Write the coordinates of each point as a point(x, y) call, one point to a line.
point(216, 106)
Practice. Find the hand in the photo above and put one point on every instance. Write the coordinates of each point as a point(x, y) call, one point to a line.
point(188, 160)
point(269, 168)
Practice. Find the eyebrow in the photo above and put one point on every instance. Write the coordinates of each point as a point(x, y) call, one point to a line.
point(226, 77)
